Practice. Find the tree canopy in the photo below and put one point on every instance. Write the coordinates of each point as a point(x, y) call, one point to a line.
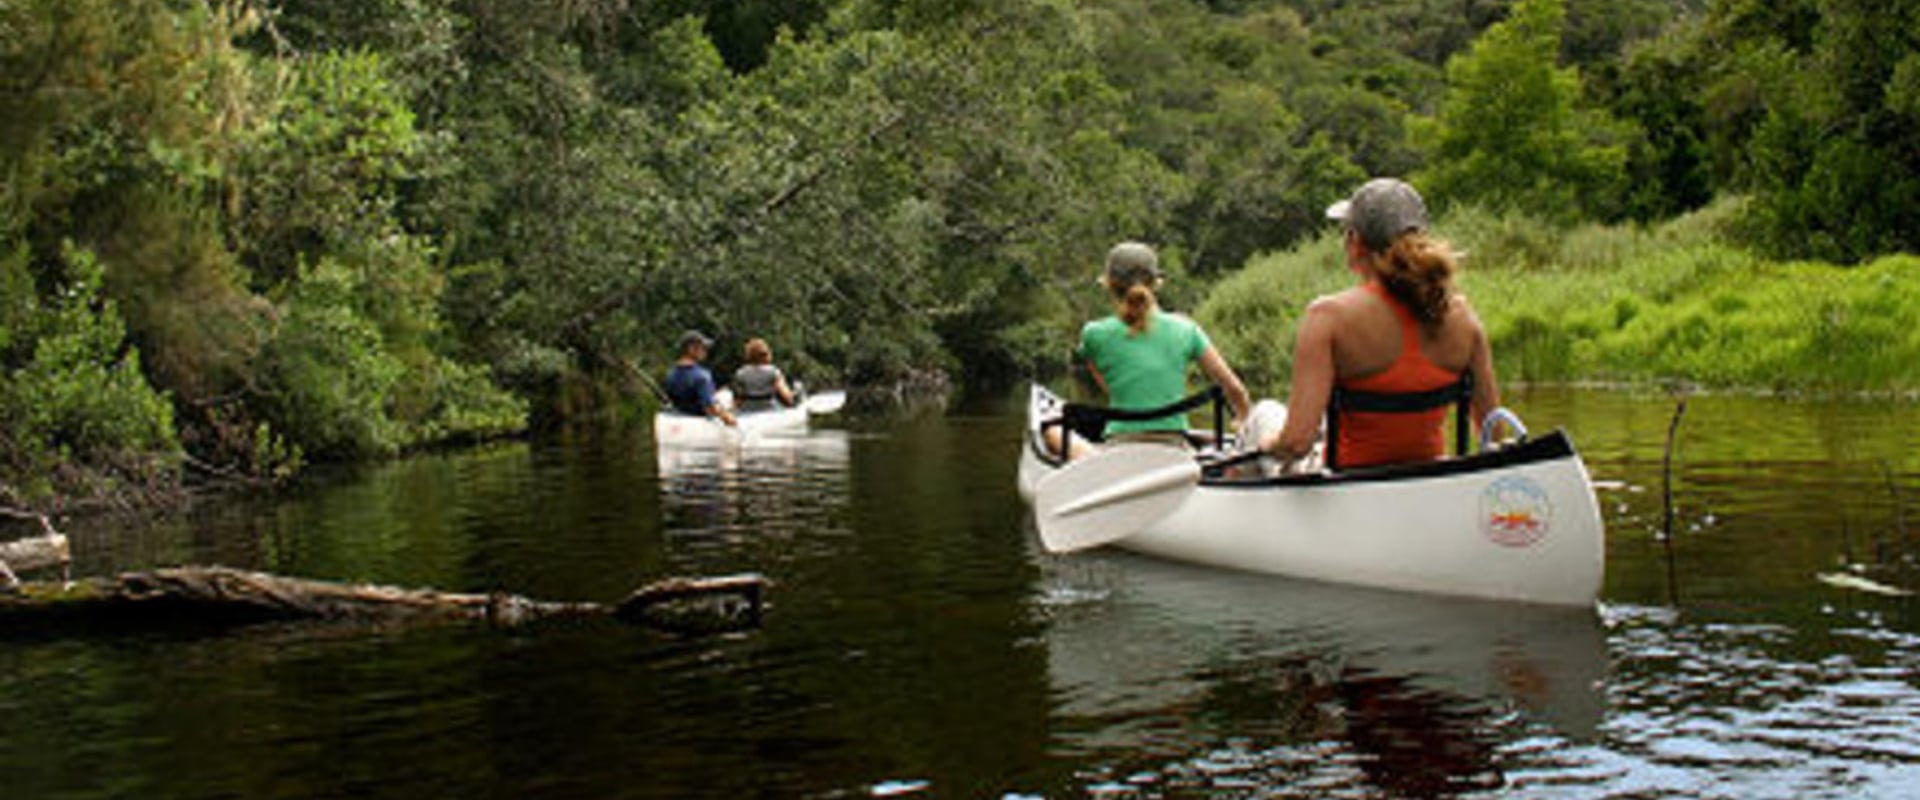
point(286, 229)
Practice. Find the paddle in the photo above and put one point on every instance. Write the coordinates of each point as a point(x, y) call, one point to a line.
point(1112, 494)
point(825, 402)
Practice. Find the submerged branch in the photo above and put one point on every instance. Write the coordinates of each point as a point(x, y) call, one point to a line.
point(216, 595)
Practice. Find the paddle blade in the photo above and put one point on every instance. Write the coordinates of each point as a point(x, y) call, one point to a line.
point(826, 402)
point(1112, 494)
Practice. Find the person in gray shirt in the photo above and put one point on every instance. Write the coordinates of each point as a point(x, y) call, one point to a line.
point(758, 385)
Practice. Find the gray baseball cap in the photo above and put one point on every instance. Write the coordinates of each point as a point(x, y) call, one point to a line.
point(1380, 211)
point(1129, 263)
point(692, 336)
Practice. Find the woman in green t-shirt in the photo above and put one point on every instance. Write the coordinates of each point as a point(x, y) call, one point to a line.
point(1140, 356)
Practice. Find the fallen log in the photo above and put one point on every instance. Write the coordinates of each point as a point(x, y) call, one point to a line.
point(224, 596)
point(26, 555)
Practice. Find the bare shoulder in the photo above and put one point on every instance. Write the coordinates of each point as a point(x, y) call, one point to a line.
point(1324, 312)
point(1461, 309)
point(1462, 317)
point(1336, 304)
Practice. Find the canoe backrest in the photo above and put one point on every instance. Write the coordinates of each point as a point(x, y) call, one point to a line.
point(1090, 422)
point(1459, 394)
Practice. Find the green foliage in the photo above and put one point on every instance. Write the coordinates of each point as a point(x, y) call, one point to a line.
point(80, 420)
point(335, 228)
point(349, 374)
point(1805, 105)
point(1251, 315)
point(320, 174)
point(1509, 135)
point(1622, 304)
point(1837, 160)
point(1658, 88)
point(327, 372)
point(744, 30)
point(198, 176)
point(1259, 131)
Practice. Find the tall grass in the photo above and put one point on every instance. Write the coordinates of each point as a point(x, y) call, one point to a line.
point(1680, 301)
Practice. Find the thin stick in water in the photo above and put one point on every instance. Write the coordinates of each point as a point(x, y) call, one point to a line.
point(1666, 490)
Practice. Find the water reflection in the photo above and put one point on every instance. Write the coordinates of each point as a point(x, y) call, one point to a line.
point(1769, 492)
point(919, 642)
point(765, 485)
point(683, 467)
point(1290, 682)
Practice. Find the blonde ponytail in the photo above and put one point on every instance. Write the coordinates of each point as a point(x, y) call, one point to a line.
point(1418, 271)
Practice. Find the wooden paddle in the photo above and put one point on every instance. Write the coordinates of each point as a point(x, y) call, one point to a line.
point(1112, 494)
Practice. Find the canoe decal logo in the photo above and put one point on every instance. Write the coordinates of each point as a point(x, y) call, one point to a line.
point(1515, 512)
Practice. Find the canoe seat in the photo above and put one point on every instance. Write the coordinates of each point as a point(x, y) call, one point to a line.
point(1459, 394)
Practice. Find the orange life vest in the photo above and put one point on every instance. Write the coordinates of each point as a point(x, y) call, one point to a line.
point(1371, 438)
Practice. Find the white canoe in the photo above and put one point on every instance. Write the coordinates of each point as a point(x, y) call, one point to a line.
point(1518, 523)
point(671, 428)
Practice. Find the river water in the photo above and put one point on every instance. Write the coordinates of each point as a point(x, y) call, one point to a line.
point(920, 644)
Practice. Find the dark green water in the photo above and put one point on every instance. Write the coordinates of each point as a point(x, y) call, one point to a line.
point(919, 644)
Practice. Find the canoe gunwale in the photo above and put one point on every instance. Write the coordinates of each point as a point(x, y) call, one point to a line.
point(1554, 444)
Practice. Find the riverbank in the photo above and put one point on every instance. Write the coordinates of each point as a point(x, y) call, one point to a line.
point(1679, 302)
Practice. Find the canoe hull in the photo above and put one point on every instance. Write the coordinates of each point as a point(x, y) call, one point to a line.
point(673, 429)
point(1518, 524)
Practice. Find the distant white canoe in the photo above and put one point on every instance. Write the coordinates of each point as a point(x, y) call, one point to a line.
point(1519, 523)
point(671, 428)
point(787, 454)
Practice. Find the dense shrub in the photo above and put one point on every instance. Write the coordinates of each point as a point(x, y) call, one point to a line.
point(78, 420)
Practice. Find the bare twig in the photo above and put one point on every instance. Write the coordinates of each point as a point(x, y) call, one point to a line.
point(229, 474)
point(1666, 490)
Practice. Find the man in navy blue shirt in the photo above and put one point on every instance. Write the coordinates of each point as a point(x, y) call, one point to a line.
point(690, 386)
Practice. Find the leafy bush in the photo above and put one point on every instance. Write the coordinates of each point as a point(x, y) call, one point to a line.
point(339, 383)
point(1621, 304)
point(328, 376)
point(320, 175)
point(77, 417)
point(1251, 314)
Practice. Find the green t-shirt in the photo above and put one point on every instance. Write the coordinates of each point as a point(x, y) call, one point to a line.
point(1144, 370)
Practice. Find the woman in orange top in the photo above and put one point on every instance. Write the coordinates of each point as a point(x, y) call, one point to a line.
point(1402, 330)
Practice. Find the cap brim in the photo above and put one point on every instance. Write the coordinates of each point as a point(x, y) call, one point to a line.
point(1339, 210)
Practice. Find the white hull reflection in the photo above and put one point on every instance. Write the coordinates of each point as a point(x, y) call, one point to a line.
point(1152, 641)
